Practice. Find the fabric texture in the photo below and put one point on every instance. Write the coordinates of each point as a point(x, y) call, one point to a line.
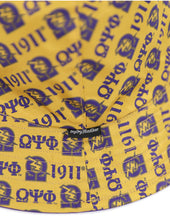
point(83, 65)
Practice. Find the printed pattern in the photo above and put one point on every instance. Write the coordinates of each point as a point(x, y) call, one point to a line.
point(76, 65)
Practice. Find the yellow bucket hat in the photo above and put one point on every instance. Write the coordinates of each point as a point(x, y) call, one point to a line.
point(84, 103)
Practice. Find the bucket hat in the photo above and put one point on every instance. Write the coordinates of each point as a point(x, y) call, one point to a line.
point(84, 103)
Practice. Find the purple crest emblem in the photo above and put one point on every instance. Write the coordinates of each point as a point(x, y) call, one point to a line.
point(5, 193)
point(153, 59)
point(9, 17)
point(159, 95)
point(146, 125)
point(43, 68)
point(129, 85)
point(134, 166)
point(36, 169)
point(6, 139)
point(97, 143)
point(70, 196)
point(153, 19)
point(60, 22)
point(6, 58)
point(127, 45)
point(90, 68)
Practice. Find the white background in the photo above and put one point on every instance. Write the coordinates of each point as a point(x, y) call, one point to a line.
point(154, 207)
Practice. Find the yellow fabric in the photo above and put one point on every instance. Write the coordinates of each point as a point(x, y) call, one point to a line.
point(81, 64)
